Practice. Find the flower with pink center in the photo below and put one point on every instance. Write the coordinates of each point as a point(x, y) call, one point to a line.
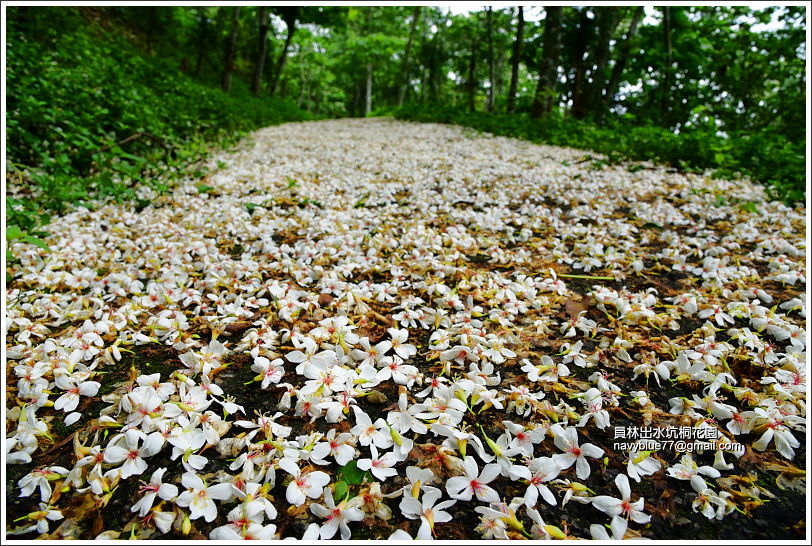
point(567, 441)
point(623, 506)
point(381, 467)
point(336, 445)
point(303, 485)
point(154, 488)
point(200, 498)
point(335, 517)
point(125, 450)
point(74, 388)
point(473, 483)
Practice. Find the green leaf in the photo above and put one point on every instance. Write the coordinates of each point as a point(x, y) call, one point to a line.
point(341, 491)
point(749, 207)
point(352, 475)
point(13, 232)
point(35, 241)
point(203, 188)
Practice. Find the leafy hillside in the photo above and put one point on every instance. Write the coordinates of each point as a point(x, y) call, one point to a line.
point(89, 114)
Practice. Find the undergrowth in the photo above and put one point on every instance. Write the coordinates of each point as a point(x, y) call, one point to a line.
point(91, 117)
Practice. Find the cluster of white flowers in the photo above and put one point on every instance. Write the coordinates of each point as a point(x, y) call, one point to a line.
point(386, 262)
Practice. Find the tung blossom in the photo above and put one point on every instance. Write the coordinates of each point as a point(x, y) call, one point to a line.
point(200, 498)
point(302, 486)
point(622, 506)
point(336, 516)
point(427, 510)
point(473, 483)
point(567, 441)
point(154, 488)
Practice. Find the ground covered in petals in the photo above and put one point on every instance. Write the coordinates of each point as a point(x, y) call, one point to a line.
point(375, 329)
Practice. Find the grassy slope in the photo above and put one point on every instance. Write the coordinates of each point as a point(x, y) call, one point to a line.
point(91, 115)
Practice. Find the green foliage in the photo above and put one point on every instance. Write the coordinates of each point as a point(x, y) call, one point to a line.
point(766, 157)
point(352, 475)
point(15, 233)
point(348, 478)
point(105, 101)
point(91, 116)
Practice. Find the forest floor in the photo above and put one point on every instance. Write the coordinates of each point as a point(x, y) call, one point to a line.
point(461, 302)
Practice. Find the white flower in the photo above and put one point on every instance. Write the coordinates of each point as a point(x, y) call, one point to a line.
point(538, 473)
point(369, 432)
point(641, 463)
point(41, 517)
point(403, 419)
point(525, 439)
point(303, 485)
point(337, 446)
point(249, 531)
point(618, 528)
point(270, 371)
point(428, 512)
point(399, 337)
point(336, 517)
point(474, 483)
point(125, 449)
point(41, 477)
point(199, 497)
point(381, 467)
point(711, 504)
point(622, 506)
point(593, 402)
point(74, 387)
point(687, 469)
point(166, 491)
point(567, 441)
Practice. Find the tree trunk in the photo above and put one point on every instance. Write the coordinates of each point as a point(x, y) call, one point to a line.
point(201, 40)
point(514, 63)
point(231, 50)
point(491, 61)
point(579, 87)
point(471, 81)
point(669, 59)
point(283, 55)
point(620, 62)
point(262, 50)
point(368, 95)
point(152, 26)
point(607, 19)
point(404, 67)
point(545, 95)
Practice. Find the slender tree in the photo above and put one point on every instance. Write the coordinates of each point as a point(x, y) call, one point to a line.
point(606, 21)
point(514, 63)
point(470, 83)
point(289, 15)
point(583, 38)
point(202, 38)
point(404, 66)
point(262, 49)
point(620, 61)
point(491, 59)
point(231, 50)
point(667, 69)
point(548, 70)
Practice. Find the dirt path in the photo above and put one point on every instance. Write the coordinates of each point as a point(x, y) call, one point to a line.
point(488, 298)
